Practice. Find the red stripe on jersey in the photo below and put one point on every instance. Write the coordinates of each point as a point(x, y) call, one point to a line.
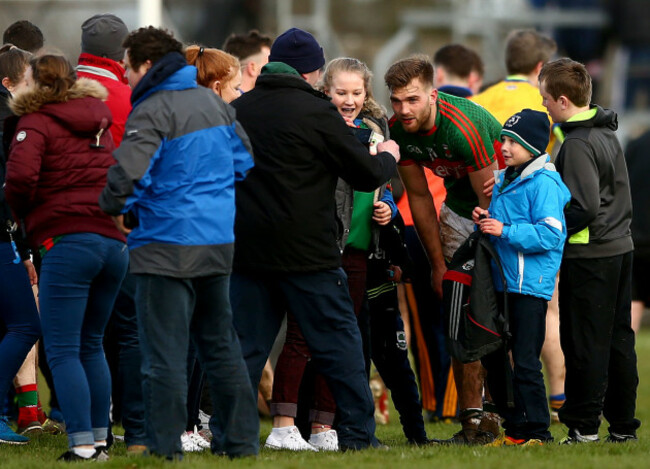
point(472, 143)
point(469, 125)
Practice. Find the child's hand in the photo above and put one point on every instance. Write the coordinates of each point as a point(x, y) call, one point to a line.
point(478, 214)
point(381, 213)
point(491, 226)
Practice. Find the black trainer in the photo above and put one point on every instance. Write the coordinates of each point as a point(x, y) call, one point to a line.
point(620, 438)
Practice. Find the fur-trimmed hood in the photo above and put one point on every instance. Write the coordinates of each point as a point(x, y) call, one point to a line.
point(82, 109)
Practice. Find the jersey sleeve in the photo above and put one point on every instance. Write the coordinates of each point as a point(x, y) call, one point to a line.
point(476, 132)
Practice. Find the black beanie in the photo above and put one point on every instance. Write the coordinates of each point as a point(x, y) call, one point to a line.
point(530, 129)
point(102, 35)
point(298, 49)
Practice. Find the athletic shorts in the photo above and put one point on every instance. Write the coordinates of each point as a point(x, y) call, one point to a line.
point(454, 230)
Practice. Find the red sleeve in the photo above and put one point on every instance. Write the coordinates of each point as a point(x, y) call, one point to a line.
point(24, 166)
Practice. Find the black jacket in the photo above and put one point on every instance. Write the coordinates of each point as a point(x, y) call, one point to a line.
point(592, 166)
point(637, 156)
point(285, 219)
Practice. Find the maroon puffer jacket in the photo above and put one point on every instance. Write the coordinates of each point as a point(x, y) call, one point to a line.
point(56, 170)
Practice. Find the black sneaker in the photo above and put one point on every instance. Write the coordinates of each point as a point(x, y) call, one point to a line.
point(620, 438)
point(71, 456)
point(101, 453)
point(425, 442)
point(575, 437)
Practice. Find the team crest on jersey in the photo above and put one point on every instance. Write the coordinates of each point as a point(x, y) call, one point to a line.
point(20, 136)
point(512, 121)
point(448, 154)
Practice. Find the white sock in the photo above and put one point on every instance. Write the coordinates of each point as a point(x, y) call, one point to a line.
point(100, 443)
point(83, 452)
point(283, 430)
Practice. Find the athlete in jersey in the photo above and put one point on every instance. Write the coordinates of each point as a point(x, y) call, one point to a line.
point(464, 138)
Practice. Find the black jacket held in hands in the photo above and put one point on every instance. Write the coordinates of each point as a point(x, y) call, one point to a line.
point(285, 218)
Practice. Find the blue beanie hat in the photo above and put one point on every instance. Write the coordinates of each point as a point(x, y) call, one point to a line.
point(531, 129)
point(298, 49)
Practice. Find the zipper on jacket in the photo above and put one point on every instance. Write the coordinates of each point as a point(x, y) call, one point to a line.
point(520, 258)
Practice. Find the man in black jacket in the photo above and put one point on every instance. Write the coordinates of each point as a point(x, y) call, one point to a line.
point(286, 254)
point(595, 293)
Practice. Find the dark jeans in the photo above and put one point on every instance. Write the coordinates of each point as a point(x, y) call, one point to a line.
point(390, 355)
point(18, 315)
point(529, 419)
point(80, 277)
point(598, 344)
point(432, 361)
point(321, 304)
point(170, 311)
point(125, 327)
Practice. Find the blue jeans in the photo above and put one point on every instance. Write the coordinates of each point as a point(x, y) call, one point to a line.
point(19, 316)
point(80, 278)
point(321, 304)
point(170, 311)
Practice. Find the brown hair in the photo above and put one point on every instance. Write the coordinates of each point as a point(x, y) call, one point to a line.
point(13, 62)
point(243, 46)
point(212, 64)
point(566, 77)
point(150, 44)
point(403, 71)
point(348, 64)
point(525, 48)
point(53, 73)
point(25, 35)
point(458, 60)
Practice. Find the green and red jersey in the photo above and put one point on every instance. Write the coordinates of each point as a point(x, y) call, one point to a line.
point(464, 138)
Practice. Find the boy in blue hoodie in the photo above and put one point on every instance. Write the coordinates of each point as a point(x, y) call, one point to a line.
point(526, 222)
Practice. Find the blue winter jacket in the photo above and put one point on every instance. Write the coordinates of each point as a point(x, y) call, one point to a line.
point(532, 210)
point(181, 154)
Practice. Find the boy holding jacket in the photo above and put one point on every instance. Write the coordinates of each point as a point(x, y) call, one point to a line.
point(526, 221)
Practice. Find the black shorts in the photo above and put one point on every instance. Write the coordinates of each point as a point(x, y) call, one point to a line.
point(641, 279)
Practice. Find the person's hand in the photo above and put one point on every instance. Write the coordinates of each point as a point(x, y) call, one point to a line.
point(381, 213)
point(478, 213)
point(391, 147)
point(491, 226)
point(349, 121)
point(119, 223)
point(31, 272)
point(436, 279)
point(488, 186)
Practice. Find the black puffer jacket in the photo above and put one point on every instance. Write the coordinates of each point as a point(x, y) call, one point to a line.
point(285, 218)
point(592, 166)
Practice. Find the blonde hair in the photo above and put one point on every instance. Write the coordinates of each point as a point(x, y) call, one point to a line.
point(348, 64)
point(212, 64)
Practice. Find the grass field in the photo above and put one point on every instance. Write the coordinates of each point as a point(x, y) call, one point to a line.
point(43, 451)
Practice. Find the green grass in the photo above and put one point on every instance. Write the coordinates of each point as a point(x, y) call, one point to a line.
point(42, 451)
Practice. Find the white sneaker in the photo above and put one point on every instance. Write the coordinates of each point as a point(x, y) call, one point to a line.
point(188, 444)
point(198, 439)
point(325, 441)
point(291, 440)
